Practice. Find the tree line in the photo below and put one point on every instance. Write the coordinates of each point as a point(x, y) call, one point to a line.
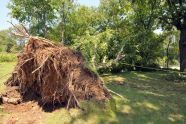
point(114, 33)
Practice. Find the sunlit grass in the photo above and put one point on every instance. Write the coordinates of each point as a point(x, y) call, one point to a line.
point(5, 70)
point(150, 98)
point(8, 57)
point(147, 98)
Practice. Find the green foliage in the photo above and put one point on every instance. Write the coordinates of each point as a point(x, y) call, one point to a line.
point(7, 42)
point(63, 11)
point(172, 13)
point(8, 57)
point(82, 21)
point(171, 45)
point(94, 47)
point(143, 47)
point(114, 33)
point(37, 13)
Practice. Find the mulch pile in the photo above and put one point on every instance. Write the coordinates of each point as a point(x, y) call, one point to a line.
point(54, 74)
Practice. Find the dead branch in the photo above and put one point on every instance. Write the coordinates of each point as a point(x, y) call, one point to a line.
point(20, 32)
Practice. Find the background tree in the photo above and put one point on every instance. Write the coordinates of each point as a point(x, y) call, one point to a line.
point(171, 45)
point(37, 14)
point(63, 9)
point(116, 33)
point(174, 14)
point(6, 41)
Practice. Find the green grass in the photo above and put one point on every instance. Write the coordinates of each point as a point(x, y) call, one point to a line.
point(5, 70)
point(146, 98)
point(149, 98)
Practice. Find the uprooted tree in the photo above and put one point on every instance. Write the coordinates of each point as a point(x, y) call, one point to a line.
point(52, 74)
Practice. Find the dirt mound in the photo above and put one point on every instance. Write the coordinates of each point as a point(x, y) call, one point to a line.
point(12, 96)
point(55, 74)
point(23, 113)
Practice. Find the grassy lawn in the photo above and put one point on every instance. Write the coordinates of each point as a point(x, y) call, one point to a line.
point(148, 98)
point(145, 98)
point(5, 70)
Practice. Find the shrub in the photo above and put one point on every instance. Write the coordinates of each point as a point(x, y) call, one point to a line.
point(8, 57)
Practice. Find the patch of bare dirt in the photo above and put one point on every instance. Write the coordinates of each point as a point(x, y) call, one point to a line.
point(24, 113)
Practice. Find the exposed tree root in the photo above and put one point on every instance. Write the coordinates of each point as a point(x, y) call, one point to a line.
point(55, 74)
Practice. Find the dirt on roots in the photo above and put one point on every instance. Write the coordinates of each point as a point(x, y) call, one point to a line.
point(53, 74)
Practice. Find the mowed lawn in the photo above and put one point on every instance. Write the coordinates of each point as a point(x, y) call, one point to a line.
point(143, 98)
point(5, 72)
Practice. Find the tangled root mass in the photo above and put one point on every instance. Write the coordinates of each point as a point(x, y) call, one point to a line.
point(55, 74)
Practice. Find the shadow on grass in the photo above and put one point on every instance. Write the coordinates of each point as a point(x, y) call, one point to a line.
point(151, 99)
point(146, 99)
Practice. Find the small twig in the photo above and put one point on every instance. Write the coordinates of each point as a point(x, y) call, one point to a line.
point(69, 102)
point(40, 65)
point(15, 27)
point(25, 30)
point(75, 99)
point(69, 84)
point(26, 61)
point(44, 40)
point(113, 92)
point(22, 33)
point(18, 35)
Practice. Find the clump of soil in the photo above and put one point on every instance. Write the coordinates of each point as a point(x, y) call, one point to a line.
point(54, 74)
point(11, 95)
point(23, 113)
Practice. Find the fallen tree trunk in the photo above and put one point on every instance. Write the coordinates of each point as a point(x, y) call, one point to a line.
point(55, 74)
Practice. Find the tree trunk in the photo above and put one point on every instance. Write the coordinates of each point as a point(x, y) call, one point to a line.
point(63, 24)
point(94, 57)
point(167, 52)
point(62, 34)
point(182, 47)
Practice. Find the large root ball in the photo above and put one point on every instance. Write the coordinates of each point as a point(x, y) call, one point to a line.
point(55, 74)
